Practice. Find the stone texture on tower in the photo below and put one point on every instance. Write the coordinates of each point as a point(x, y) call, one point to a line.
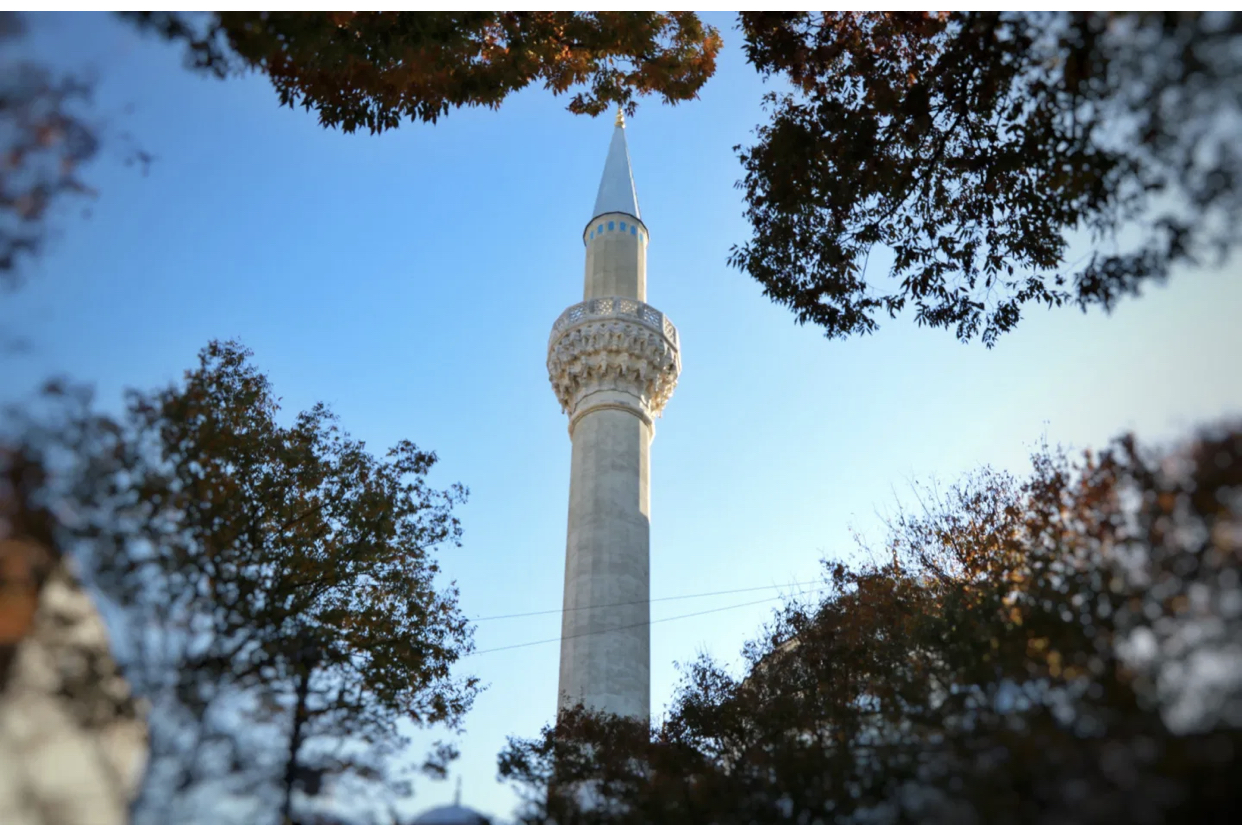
point(613, 362)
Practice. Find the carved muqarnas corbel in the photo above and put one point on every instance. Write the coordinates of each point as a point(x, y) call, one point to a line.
point(613, 352)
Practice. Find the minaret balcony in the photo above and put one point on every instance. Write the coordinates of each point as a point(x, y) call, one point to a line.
point(613, 352)
point(626, 308)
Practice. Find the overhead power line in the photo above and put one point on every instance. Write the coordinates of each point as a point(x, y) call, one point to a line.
point(632, 626)
point(647, 601)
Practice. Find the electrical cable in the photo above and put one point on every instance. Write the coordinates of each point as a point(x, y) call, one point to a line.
point(630, 626)
point(644, 601)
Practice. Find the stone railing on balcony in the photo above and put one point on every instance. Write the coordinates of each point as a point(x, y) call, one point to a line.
point(626, 308)
point(607, 350)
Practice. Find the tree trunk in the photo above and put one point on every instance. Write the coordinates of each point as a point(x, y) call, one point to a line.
point(295, 744)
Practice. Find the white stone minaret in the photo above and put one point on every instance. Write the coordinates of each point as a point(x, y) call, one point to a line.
point(613, 362)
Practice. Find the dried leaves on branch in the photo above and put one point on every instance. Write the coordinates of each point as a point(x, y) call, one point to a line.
point(966, 149)
point(371, 69)
point(1064, 648)
point(277, 583)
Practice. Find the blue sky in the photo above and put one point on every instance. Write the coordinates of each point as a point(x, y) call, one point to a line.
point(410, 281)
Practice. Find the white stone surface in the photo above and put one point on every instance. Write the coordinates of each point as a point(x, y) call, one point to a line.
point(613, 362)
point(72, 741)
point(605, 635)
point(613, 352)
point(454, 814)
point(616, 261)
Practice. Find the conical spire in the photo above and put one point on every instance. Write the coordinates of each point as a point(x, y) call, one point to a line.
point(616, 188)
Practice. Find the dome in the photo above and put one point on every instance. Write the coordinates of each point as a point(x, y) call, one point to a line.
point(451, 815)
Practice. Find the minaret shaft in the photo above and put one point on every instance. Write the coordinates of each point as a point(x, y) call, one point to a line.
point(605, 632)
point(613, 362)
point(616, 261)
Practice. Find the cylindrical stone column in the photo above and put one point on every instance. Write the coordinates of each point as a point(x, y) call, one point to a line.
point(613, 363)
point(605, 631)
point(616, 257)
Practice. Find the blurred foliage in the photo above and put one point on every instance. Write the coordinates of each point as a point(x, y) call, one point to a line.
point(1065, 648)
point(972, 145)
point(28, 552)
point(44, 140)
point(275, 585)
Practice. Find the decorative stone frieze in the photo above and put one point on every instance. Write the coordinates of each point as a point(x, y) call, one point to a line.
point(613, 352)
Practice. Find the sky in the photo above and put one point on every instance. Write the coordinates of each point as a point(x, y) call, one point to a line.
point(410, 281)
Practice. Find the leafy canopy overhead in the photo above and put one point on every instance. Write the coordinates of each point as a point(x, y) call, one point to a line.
point(971, 145)
point(968, 146)
point(374, 68)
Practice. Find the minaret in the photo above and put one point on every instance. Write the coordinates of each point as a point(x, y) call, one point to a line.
point(613, 362)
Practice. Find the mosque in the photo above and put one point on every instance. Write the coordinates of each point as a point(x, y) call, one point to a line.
point(613, 362)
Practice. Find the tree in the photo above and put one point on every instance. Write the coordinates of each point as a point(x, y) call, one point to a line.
point(971, 144)
point(374, 68)
point(47, 135)
point(1063, 648)
point(60, 692)
point(46, 140)
point(968, 145)
point(274, 582)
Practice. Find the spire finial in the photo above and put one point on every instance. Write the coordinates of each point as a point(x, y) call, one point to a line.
point(457, 795)
point(616, 187)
